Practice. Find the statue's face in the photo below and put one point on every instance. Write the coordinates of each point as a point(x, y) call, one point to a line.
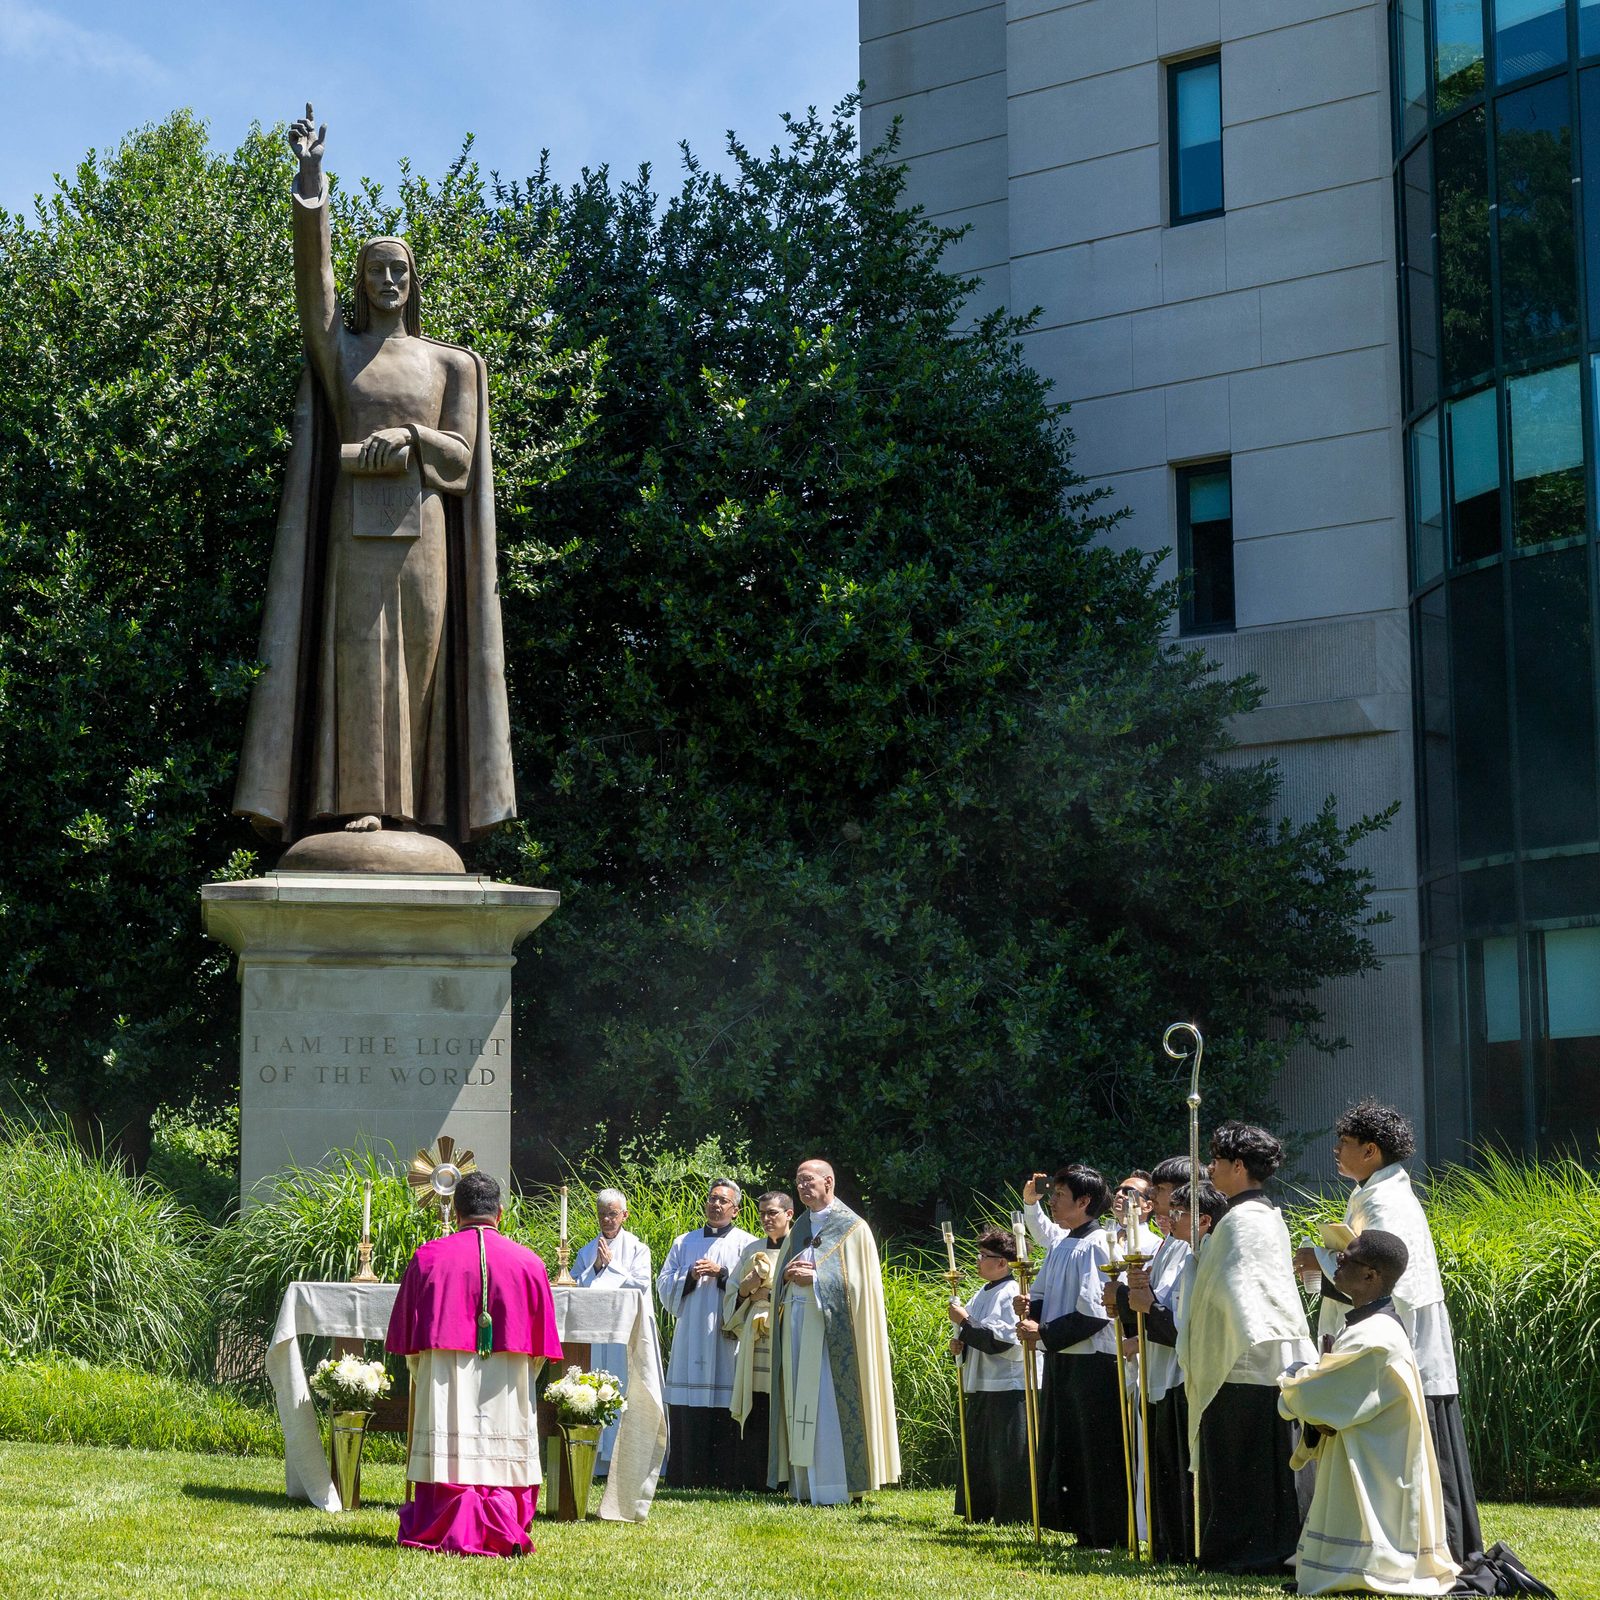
point(388, 277)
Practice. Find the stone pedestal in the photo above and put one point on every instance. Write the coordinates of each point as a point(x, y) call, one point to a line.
point(376, 1011)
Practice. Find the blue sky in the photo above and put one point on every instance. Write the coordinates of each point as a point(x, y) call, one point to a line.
point(617, 81)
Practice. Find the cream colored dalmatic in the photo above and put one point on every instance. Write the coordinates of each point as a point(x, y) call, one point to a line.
point(1377, 1518)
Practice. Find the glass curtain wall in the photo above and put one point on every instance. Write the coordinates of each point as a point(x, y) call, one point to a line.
point(1497, 196)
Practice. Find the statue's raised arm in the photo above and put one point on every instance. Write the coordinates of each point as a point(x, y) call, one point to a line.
point(381, 710)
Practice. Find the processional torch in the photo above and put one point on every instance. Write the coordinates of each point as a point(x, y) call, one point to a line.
point(953, 1278)
point(1023, 1271)
point(1112, 1269)
point(1134, 1254)
point(1194, 1056)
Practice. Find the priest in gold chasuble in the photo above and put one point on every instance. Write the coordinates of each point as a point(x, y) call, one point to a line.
point(833, 1435)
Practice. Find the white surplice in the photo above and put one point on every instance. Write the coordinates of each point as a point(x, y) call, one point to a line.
point(700, 1369)
point(631, 1268)
point(1387, 1201)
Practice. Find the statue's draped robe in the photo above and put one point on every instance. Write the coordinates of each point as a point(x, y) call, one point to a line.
point(1387, 1200)
point(1376, 1522)
point(1243, 1324)
point(474, 1447)
point(702, 1442)
point(833, 1432)
point(383, 689)
point(631, 1268)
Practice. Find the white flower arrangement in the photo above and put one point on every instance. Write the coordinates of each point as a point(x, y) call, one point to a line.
point(350, 1384)
point(586, 1398)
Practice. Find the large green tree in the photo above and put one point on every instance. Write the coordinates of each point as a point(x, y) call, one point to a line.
point(889, 821)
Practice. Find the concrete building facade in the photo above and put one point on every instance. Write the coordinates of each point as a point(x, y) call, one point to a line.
point(1240, 319)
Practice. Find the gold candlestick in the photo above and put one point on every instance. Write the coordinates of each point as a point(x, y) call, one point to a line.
point(564, 1279)
point(953, 1278)
point(1112, 1269)
point(1022, 1270)
point(364, 1272)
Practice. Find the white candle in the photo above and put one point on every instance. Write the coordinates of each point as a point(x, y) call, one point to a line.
point(949, 1243)
point(563, 1213)
point(1019, 1226)
point(366, 1209)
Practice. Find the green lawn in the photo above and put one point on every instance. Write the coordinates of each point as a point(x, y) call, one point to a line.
point(89, 1523)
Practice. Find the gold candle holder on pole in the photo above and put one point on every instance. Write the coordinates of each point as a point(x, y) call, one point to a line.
point(1131, 1259)
point(1112, 1269)
point(953, 1278)
point(1194, 1057)
point(1023, 1272)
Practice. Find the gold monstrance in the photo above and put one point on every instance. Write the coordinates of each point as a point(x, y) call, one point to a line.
point(435, 1172)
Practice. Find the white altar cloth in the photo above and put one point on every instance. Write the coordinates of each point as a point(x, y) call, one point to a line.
point(362, 1310)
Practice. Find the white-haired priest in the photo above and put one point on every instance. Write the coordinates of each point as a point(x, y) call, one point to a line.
point(702, 1442)
point(833, 1432)
point(613, 1259)
point(475, 1321)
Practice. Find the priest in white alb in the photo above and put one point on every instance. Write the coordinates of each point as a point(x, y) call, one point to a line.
point(1376, 1524)
point(613, 1259)
point(833, 1433)
point(702, 1443)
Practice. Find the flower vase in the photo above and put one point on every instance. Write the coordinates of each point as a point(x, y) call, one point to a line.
point(580, 1444)
point(347, 1434)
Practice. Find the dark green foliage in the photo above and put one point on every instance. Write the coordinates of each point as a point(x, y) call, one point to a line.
point(887, 821)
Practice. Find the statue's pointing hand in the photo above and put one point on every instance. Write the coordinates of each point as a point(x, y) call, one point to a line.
point(306, 145)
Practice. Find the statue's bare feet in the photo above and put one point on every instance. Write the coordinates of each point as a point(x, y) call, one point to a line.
point(363, 825)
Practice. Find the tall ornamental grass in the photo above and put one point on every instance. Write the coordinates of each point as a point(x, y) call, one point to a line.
point(94, 1262)
point(1519, 1249)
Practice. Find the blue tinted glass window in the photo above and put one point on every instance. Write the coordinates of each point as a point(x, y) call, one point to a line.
point(1461, 169)
point(1438, 780)
point(1205, 548)
point(1411, 69)
point(1422, 304)
point(1589, 121)
point(1196, 154)
point(1474, 440)
point(1538, 264)
point(1548, 500)
point(1427, 500)
point(1588, 27)
point(1551, 650)
point(1529, 35)
point(1564, 967)
point(1448, 1103)
point(1482, 721)
point(1494, 1039)
point(1457, 52)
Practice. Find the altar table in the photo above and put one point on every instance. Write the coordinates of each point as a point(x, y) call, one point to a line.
point(583, 1317)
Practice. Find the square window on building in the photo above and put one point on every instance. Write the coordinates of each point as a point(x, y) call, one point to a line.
point(1205, 548)
point(1194, 139)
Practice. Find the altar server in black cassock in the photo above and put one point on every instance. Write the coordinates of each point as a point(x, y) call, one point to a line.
point(1243, 1325)
point(992, 1377)
point(1078, 1410)
point(1371, 1144)
point(1157, 1290)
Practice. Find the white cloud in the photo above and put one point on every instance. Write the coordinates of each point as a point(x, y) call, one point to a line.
point(31, 33)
